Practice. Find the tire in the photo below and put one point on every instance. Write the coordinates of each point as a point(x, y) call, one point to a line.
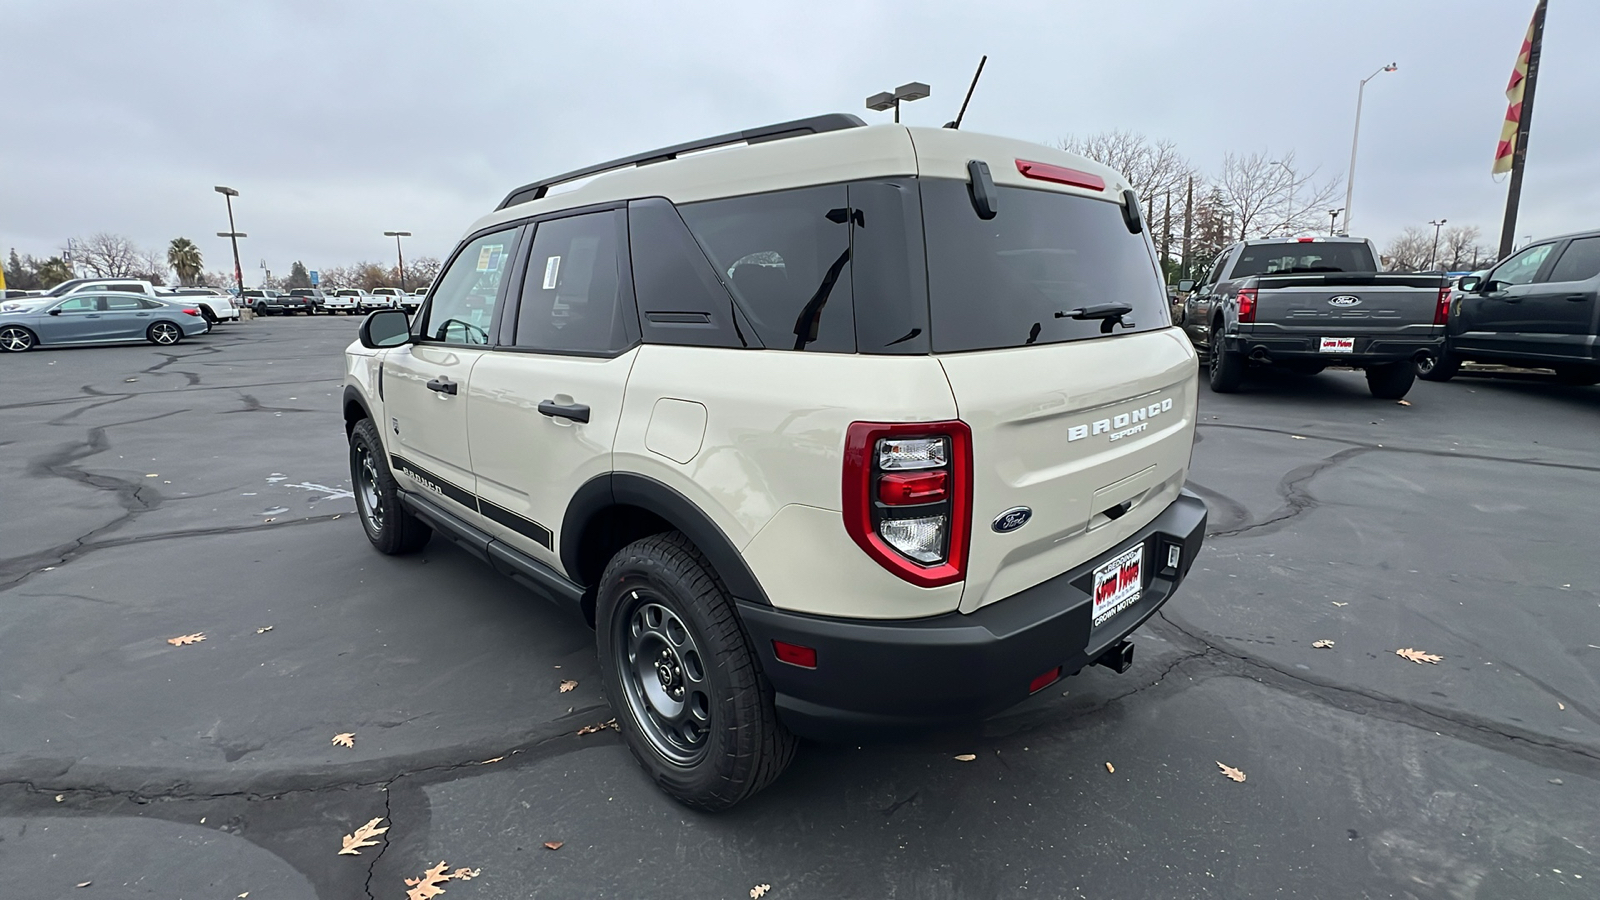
point(1226, 368)
point(1440, 368)
point(1391, 381)
point(16, 339)
point(392, 529)
point(691, 699)
point(1579, 376)
point(163, 333)
point(210, 317)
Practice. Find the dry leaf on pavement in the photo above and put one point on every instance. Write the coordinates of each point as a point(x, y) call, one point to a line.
point(1297, 437)
point(1418, 656)
point(465, 874)
point(568, 686)
point(84, 884)
point(362, 837)
point(1337, 603)
point(183, 639)
point(1404, 402)
point(602, 726)
point(430, 885)
point(488, 761)
point(1110, 768)
point(966, 757)
point(1231, 772)
point(348, 739)
point(264, 629)
point(553, 845)
point(1561, 705)
point(1322, 645)
point(759, 891)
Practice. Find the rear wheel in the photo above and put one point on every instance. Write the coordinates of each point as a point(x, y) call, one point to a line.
point(1391, 381)
point(163, 334)
point(1438, 368)
point(15, 339)
point(690, 696)
point(389, 526)
point(1226, 367)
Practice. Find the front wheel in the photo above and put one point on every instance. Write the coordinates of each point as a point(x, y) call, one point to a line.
point(15, 339)
point(691, 699)
point(1579, 376)
point(1438, 368)
point(391, 528)
point(1391, 381)
point(163, 334)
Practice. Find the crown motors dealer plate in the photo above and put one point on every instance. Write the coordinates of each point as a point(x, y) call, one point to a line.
point(1118, 584)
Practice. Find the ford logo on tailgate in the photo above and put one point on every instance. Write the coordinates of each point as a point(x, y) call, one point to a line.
point(1344, 300)
point(1012, 519)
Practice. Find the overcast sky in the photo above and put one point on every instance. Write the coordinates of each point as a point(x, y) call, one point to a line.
point(339, 120)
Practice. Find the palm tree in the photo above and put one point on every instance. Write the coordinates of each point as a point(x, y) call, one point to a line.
point(184, 258)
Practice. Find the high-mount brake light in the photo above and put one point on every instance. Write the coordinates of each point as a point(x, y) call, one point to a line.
point(1247, 304)
point(1306, 240)
point(907, 496)
point(1060, 175)
point(1441, 313)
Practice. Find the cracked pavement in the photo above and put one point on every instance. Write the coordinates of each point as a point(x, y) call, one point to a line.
point(151, 492)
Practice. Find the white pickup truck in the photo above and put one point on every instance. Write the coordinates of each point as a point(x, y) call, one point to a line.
point(387, 297)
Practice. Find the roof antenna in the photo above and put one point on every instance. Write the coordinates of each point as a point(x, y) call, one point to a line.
point(970, 88)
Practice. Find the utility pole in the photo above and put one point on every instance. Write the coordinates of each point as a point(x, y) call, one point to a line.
point(1188, 226)
point(397, 235)
point(1523, 114)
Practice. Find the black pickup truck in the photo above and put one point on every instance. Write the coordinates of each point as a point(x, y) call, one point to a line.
point(1303, 304)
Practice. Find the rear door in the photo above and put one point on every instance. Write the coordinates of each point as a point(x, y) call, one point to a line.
point(1086, 422)
point(128, 317)
point(1558, 309)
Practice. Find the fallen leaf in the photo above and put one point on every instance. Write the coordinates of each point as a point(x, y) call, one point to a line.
point(264, 629)
point(602, 726)
point(759, 891)
point(60, 797)
point(84, 884)
point(270, 521)
point(362, 837)
point(553, 845)
point(1231, 772)
point(1561, 705)
point(1417, 656)
point(1322, 645)
point(1110, 768)
point(347, 739)
point(568, 686)
point(430, 885)
point(465, 874)
point(183, 639)
point(488, 761)
point(1297, 437)
point(1337, 603)
point(1404, 402)
point(244, 895)
point(967, 757)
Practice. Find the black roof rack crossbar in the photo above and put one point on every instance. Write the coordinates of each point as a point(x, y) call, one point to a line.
point(796, 128)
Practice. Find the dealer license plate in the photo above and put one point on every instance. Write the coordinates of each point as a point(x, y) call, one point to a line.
point(1338, 345)
point(1118, 584)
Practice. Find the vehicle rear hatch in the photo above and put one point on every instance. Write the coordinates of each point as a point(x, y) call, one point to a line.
point(1085, 422)
point(1354, 302)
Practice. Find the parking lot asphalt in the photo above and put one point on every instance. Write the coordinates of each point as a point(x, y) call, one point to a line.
point(148, 493)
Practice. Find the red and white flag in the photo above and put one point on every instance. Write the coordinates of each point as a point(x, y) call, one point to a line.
point(1508, 131)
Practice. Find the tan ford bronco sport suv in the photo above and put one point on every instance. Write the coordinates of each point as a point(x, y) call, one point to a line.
point(839, 427)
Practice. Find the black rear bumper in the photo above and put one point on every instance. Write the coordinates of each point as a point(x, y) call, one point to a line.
point(956, 667)
point(1369, 349)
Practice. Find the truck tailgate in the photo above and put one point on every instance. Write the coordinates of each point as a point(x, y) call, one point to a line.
point(1349, 303)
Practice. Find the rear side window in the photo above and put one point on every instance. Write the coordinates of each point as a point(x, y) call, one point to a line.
point(786, 257)
point(121, 303)
point(1579, 262)
point(572, 291)
point(680, 298)
point(1000, 283)
point(1308, 257)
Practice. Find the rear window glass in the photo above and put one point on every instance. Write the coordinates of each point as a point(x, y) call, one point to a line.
point(1000, 283)
point(1298, 258)
point(1579, 262)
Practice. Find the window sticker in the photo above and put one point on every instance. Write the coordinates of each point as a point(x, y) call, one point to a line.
point(552, 268)
point(490, 256)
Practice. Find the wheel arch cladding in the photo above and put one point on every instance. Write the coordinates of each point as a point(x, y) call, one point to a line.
point(355, 409)
point(614, 510)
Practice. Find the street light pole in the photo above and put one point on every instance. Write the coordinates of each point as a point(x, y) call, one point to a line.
point(1433, 258)
point(233, 234)
point(915, 90)
point(1333, 216)
point(397, 235)
point(1355, 140)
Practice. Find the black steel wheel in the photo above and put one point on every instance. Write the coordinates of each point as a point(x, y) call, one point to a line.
point(1226, 368)
point(15, 339)
point(691, 699)
point(163, 334)
point(389, 526)
point(1438, 368)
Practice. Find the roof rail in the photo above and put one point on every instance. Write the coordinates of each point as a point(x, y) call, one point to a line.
point(797, 128)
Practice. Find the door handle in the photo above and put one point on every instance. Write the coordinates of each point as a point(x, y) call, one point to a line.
point(577, 412)
point(443, 386)
point(1577, 298)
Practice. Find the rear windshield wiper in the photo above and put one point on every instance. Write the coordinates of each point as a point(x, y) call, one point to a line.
point(1109, 314)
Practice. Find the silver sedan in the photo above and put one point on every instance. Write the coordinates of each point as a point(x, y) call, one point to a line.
point(96, 318)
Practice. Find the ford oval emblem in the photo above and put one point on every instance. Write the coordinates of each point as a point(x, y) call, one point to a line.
point(1344, 300)
point(1012, 519)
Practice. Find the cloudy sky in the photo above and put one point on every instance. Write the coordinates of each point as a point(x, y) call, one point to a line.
point(338, 120)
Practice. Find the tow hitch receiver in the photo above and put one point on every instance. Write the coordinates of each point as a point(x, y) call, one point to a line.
point(1119, 658)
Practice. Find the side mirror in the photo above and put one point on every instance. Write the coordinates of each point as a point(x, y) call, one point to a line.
point(1469, 284)
point(56, 311)
point(1186, 285)
point(385, 328)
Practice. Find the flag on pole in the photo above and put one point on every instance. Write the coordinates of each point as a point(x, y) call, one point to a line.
point(1508, 131)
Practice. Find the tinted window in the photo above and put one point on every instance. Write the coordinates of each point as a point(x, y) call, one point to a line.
point(786, 257)
point(1523, 267)
point(1579, 262)
point(121, 303)
point(889, 273)
point(1315, 256)
point(464, 305)
point(81, 304)
point(680, 298)
point(571, 293)
point(1001, 282)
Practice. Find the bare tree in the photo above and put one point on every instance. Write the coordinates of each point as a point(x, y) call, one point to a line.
point(1155, 170)
point(108, 255)
point(1461, 246)
point(1410, 251)
point(1269, 197)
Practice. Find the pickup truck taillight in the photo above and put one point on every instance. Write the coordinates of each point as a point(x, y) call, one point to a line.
point(908, 497)
point(1247, 304)
point(1441, 313)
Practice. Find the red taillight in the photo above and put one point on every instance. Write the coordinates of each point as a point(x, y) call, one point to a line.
point(908, 488)
point(1060, 175)
point(192, 312)
point(1045, 680)
point(1441, 313)
point(795, 655)
point(907, 496)
point(1305, 240)
point(1247, 304)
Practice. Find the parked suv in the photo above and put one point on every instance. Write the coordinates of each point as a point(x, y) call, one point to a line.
point(845, 428)
point(1538, 308)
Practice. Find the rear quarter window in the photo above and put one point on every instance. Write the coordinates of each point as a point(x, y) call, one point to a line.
point(1000, 283)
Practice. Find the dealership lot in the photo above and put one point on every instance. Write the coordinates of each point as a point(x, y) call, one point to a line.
point(153, 492)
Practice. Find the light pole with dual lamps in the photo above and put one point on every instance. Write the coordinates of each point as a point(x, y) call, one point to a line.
point(397, 235)
point(915, 90)
point(1333, 216)
point(1433, 258)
